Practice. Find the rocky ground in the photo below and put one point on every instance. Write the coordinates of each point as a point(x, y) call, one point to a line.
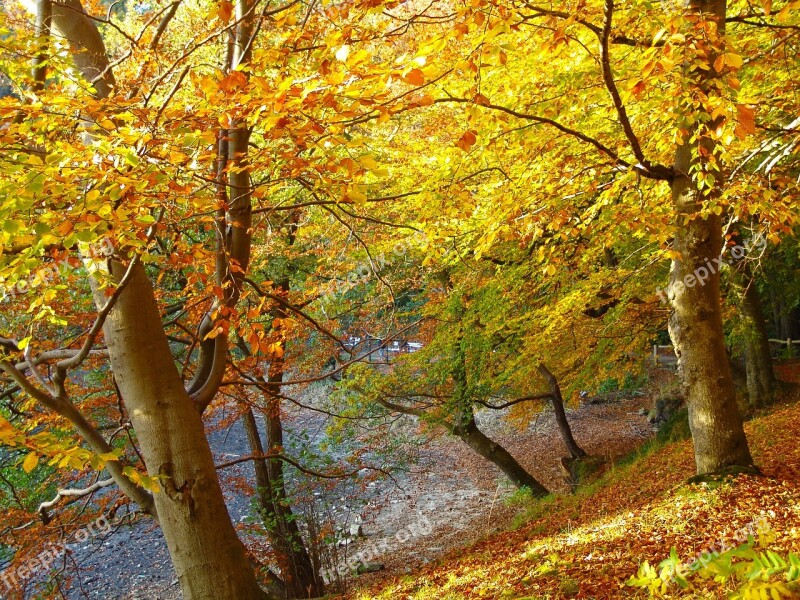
point(450, 498)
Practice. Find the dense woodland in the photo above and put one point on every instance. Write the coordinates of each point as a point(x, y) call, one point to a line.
point(366, 233)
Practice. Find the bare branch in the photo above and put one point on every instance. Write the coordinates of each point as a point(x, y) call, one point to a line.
point(295, 464)
point(541, 396)
point(72, 495)
point(659, 173)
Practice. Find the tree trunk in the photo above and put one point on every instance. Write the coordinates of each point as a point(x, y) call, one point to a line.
point(499, 456)
point(575, 451)
point(758, 360)
point(208, 557)
point(464, 425)
point(300, 578)
point(696, 322)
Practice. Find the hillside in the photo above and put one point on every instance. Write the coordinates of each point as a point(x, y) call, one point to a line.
point(587, 545)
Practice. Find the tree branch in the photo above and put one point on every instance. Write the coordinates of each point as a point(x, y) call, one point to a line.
point(608, 78)
point(541, 396)
point(658, 173)
point(72, 495)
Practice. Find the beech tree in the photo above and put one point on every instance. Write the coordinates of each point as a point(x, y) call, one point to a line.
point(672, 81)
point(208, 557)
point(133, 168)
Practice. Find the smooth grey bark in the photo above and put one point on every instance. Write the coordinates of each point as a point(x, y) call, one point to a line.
point(209, 559)
point(86, 45)
point(696, 321)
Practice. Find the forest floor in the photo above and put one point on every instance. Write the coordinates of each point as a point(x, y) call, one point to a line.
point(451, 497)
point(451, 529)
point(587, 545)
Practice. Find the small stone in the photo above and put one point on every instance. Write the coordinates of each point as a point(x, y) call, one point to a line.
point(369, 568)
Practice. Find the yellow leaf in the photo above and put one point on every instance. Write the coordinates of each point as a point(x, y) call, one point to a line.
point(369, 163)
point(30, 462)
point(356, 196)
point(733, 60)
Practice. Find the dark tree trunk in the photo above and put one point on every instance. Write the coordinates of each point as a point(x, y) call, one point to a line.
point(467, 430)
point(575, 451)
point(499, 456)
point(300, 575)
point(301, 579)
point(758, 361)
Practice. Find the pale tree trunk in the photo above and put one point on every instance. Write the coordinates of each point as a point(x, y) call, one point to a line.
point(696, 322)
point(208, 557)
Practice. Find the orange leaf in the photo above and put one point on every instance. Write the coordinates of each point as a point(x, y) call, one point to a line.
point(747, 120)
point(225, 11)
point(467, 140)
point(415, 77)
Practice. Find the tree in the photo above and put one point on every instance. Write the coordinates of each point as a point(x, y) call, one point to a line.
point(680, 83)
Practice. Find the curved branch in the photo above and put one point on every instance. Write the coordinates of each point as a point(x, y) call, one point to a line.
point(541, 396)
point(291, 307)
point(98, 444)
point(71, 495)
point(608, 78)
point(658, 172)
point(87, 47)
point(295, 464)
